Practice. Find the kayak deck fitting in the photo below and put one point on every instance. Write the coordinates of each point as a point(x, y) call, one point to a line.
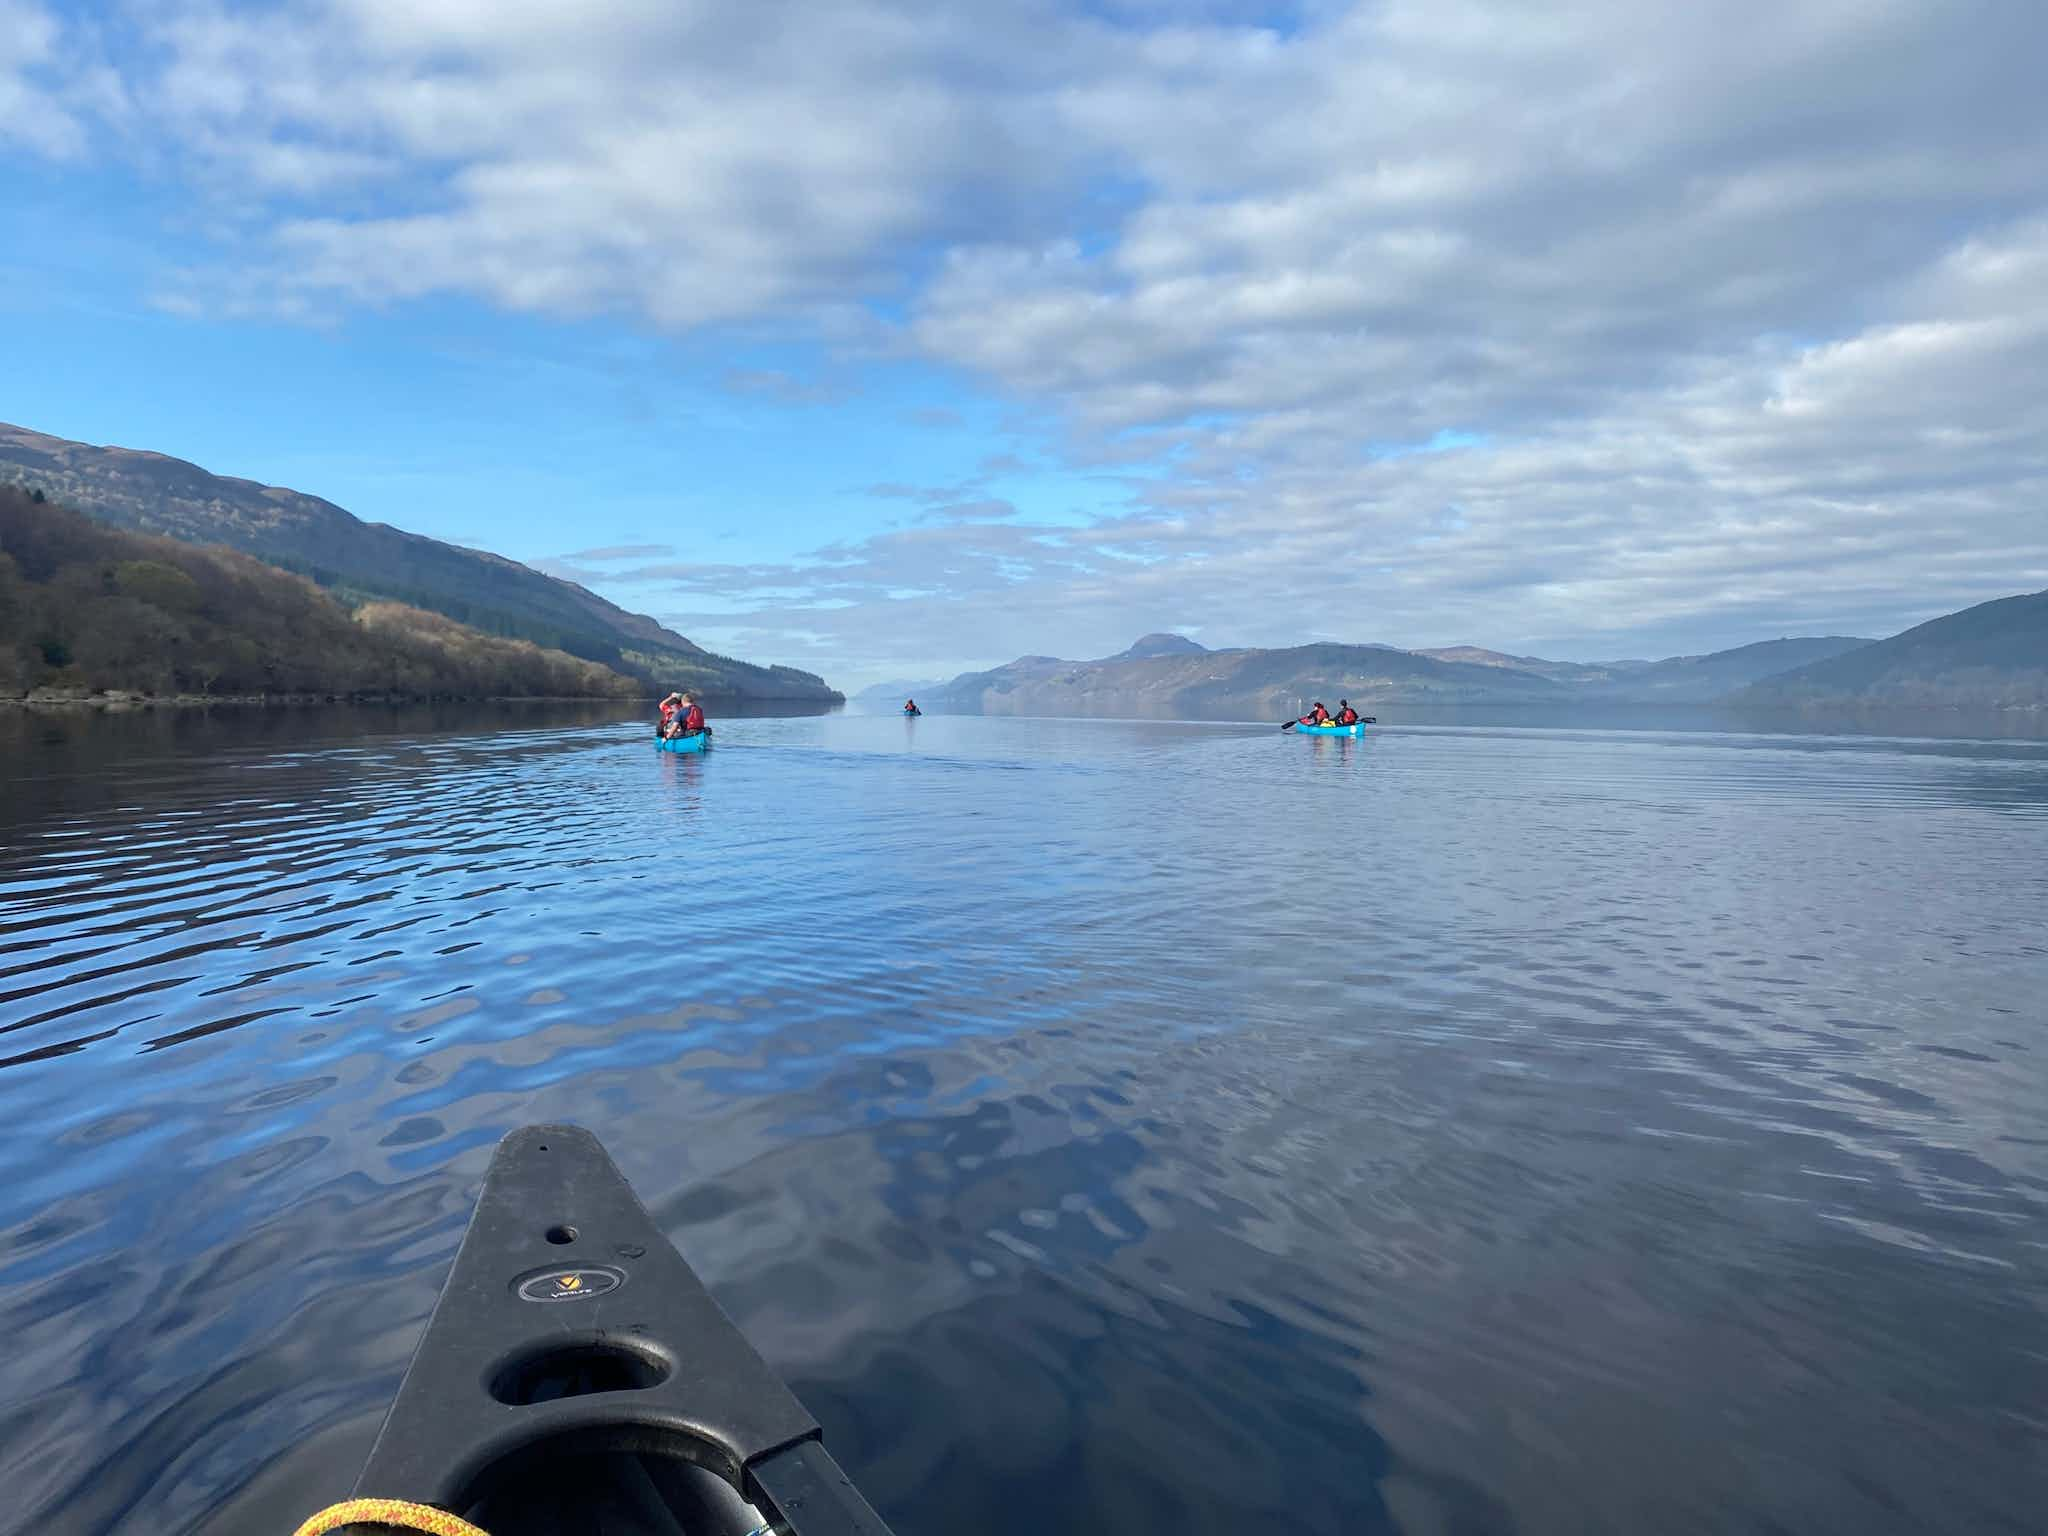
point(696, 741)
point(576, 1377)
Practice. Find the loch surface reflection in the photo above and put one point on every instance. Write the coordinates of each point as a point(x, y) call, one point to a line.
point(1105, 1127)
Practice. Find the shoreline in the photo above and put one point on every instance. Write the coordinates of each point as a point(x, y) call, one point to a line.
point(112, 700)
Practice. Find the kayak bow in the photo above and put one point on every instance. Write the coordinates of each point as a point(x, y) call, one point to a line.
point(697, 741)
point(577, 1376)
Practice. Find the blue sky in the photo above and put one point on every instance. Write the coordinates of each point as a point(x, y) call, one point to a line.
point(921, 337)
point(454, 418)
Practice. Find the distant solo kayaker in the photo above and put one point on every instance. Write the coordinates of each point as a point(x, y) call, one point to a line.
point(1346, 715)
point(910, 707)
point(1316, 716)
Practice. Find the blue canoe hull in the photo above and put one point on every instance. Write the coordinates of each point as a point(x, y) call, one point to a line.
point(696, 743)
point(1332, 730)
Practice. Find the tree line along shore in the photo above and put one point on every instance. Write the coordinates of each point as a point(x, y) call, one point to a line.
point(95, 615)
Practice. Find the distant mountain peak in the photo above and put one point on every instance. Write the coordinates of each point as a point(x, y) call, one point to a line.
point(1170, 676)
point(1159, 643)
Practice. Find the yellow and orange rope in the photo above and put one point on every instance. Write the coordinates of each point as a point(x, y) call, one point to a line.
point(406, 1516)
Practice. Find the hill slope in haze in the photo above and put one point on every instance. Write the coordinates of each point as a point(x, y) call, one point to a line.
point(1556, 671)
point(1994, 655)
point(87, 608)
point(1675, 679)
point(153, 493)
point(891, 694)
point(1227, 684)
point(1170, 677)
point(1702, 679)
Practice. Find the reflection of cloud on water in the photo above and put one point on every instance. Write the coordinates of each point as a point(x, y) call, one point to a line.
point(1086, 1117)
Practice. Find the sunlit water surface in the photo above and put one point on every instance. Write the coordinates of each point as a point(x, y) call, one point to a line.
point(1104, 1127)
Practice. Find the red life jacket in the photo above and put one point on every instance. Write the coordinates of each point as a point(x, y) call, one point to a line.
point(693, 720)
point(1347, 717)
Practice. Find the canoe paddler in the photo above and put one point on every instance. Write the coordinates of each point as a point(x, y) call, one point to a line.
point(1316, 716)
point(693, 716)
point(681, 715)
point(1346, 715)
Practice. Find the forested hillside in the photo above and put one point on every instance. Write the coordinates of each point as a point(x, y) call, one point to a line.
point(85, 607)
point(153, 493)
point(1992, 656)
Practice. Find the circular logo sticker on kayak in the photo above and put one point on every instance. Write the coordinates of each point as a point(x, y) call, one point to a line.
point(570, 1283)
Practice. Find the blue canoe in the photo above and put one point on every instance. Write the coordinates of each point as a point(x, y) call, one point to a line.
point(693, 743)
point(1332, 730)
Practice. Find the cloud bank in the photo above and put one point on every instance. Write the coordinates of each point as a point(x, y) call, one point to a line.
point(1604, 326)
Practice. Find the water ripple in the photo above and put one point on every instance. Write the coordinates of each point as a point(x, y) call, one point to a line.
point(1477, 1129)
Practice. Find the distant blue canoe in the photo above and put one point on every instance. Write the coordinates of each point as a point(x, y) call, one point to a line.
point(1332, 730)
point(693, 743)
point(912, 714)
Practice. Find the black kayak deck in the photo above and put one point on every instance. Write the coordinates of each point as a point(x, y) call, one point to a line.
point(577, 1376)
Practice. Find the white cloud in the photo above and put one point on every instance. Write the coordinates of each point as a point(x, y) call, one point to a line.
point(1743, 313)
point(1841, 487)
point(44, 94)
point(688, 164)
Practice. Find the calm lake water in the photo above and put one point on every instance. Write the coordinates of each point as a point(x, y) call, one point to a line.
point(1106, 1128)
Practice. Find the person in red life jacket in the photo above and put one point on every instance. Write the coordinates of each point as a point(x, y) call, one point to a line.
point(910, 707)
point(1316, 716)
point(1346, 715)
point(693, 717)
point(681, 715)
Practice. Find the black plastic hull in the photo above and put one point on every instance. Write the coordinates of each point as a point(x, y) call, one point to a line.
point(576, 1376)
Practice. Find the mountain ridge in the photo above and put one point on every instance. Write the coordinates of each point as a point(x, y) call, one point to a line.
point(1220, 684)
point(87, 610)
point(145, 491)
point(1235, 683)
point(1992, 654)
